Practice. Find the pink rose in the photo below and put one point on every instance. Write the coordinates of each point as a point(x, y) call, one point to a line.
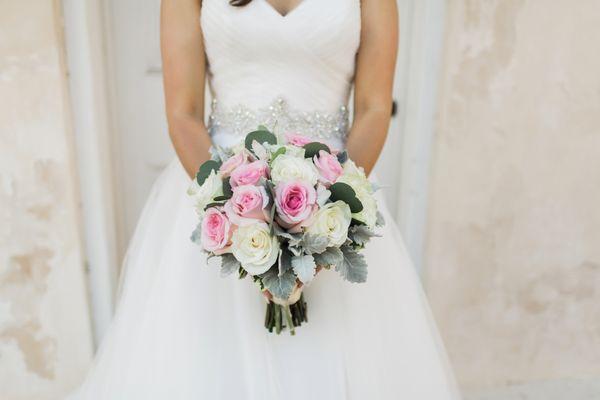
point(249, 174)
point(329, 167)
point(299, 140)
point(247, 204)
point(295, 202)
point(216, 231)
point(233, 162)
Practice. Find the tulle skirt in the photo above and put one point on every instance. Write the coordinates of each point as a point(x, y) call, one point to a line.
point(183, 332)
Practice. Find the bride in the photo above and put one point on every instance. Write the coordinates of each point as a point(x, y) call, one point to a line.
point(183, 332)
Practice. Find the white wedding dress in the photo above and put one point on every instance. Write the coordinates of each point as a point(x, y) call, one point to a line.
point(183, 332)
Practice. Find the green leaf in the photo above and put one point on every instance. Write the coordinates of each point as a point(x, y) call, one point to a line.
point(353, 267)
point(206, 169)
point(229, 264)
point(355, 222)
point(304, 267)
point(344, 192)
point(227, 191)
point(263, 128)
point(213, 204)
point(280, 286)
point(222, 198)
point(313, 148)
point(331, 257)
point(261, 137)
point(279, 152)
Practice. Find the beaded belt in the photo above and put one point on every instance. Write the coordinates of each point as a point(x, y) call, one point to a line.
point(280, 119)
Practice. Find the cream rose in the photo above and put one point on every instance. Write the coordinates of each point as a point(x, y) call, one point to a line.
point(332, 221)
point(290, 168)
point(356, 178)
point(204, 195)
point(255, 248)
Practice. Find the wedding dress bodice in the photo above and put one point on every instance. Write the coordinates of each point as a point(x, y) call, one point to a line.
point(290, 73)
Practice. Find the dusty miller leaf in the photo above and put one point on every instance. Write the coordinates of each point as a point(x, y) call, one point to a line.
point(196, 234)
point(304, 267)
point(293, 238)
point(295, 250)
point(361, 234)
point(285, 261)
point(229, 264)
point(314, 244)
point(331, 256)
point(353, 267)
point(280, 286)
point(380, 219)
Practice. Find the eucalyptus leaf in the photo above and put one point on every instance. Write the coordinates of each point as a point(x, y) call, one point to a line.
point(262, 128)
point(213, 204)
point(314, 244)
point(313, 148)
point(229, 264)
point(205, 169)
point(279, 286)
point(227, 190)
point(356, 222)
point(353, 267)
point(222, 198)
point(332, 256)
point(344, 192)
point(261, 136)
point(304, 267)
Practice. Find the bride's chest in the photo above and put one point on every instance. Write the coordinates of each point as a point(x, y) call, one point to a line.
point(321, 28)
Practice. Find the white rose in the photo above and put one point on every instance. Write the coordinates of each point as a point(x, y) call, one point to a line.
point(288, 167)
point(356, 178)
point(332, 221)
point(255, 248)
point(368, 214)
point(204, 195)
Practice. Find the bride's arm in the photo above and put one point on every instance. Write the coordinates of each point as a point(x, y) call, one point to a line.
point(184, 68)
point(375, 67)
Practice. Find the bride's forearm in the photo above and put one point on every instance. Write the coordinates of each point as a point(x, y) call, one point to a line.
point(367, 136)
point(191, 141)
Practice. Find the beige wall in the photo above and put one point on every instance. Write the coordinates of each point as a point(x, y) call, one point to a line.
point(513, 244)
point(45, 340)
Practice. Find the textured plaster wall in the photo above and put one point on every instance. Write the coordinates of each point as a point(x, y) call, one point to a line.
point(45, 341)
point(513, 244)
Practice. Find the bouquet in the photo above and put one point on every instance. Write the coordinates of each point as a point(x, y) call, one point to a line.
point(280, 209)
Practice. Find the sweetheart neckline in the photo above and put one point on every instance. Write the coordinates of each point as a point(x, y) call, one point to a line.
point(286, 15)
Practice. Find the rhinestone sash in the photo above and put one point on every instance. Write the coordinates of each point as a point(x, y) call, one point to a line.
point(280, 119)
